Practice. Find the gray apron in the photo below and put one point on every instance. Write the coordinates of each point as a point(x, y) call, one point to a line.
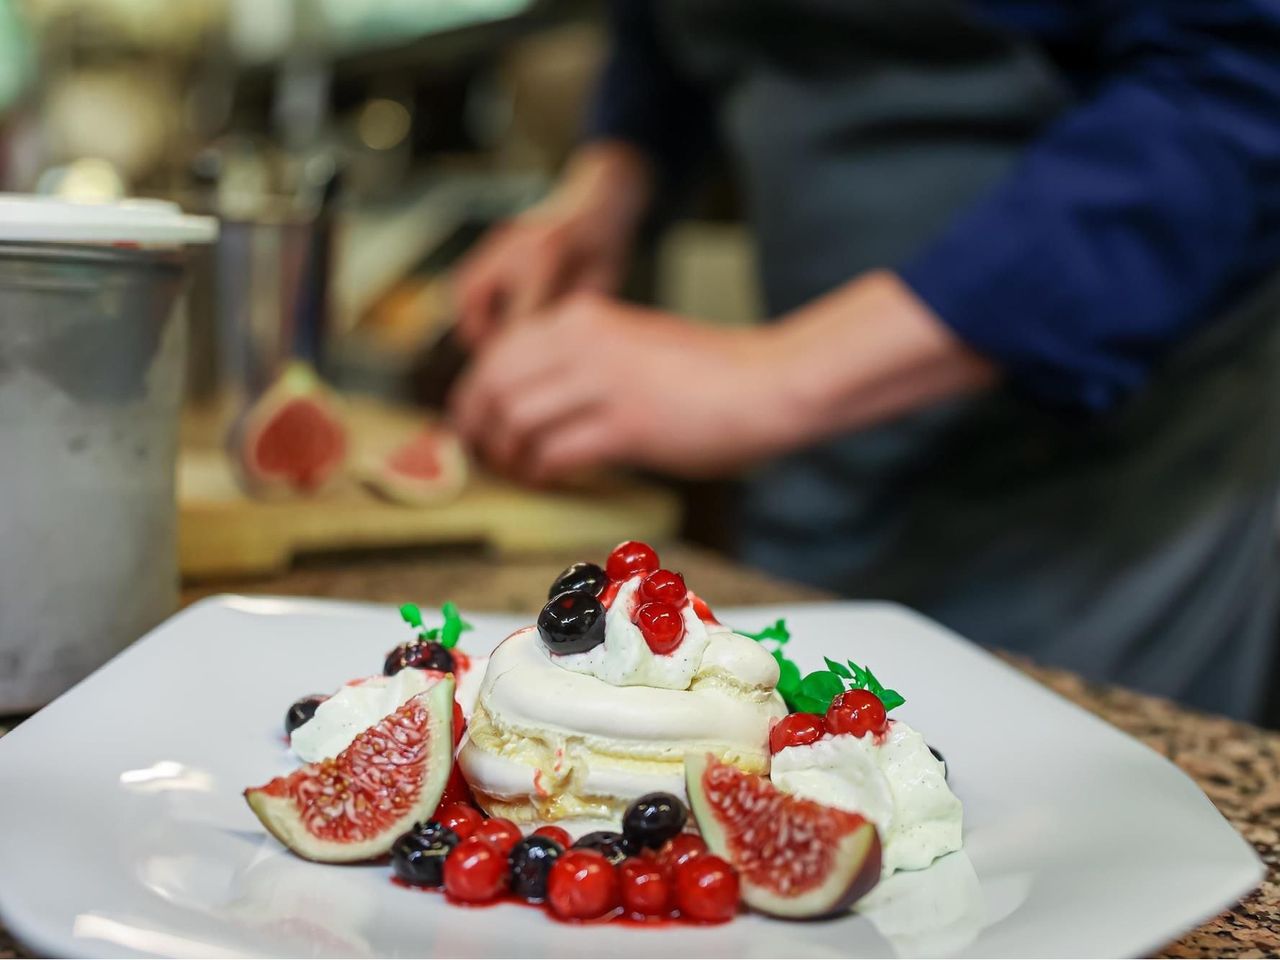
point(1137, 548)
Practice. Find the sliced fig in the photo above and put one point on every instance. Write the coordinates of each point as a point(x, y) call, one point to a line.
point(292, 440)
point(796, 859)
point(353, 806)
point(429, 468)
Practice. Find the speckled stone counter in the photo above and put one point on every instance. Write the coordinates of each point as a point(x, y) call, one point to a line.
point(1237, 765)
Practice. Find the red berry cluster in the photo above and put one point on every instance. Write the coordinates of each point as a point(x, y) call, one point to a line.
point(858, 712)
point(660, 598)
point(680, 880)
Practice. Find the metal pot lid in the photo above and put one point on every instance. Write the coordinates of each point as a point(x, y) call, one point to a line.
point(39, 219)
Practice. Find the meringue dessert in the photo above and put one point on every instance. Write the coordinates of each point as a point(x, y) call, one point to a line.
point(625, 674)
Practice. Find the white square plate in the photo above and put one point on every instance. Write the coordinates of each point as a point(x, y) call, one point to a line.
point(123, 831)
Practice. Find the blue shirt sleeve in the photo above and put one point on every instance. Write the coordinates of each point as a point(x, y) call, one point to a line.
point(645, 99)
point(1134, 217)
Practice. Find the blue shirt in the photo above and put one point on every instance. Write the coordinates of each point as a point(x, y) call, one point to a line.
point(1128, 223)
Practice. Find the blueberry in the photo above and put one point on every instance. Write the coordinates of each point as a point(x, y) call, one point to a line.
point(301, 711)
point(572, 623)
point(614, 846)
point(654, 819)
point(579, 577)
point(420, 655)
point(418, 856)
point(531, 860)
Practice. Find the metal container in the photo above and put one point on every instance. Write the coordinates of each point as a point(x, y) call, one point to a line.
point(91, 369)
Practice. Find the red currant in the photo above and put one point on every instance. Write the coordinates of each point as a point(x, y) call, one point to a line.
point(858, 712)
point(702, 610)
point(795, 730)
point(645, 887)
point(456, 790)
point(664, 585)
point(681, 847)
point(630, 558)
point(475, 871)
point(461, 818)
point(559, 834)
point(500, 832)
point(582, 885)
point(707, 889)
point(459, 723)
point(662, 626)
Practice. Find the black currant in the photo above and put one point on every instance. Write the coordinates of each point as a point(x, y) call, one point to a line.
point(585, 577)
point(530, 861)
point(422, 655)
point(654, 819)
point(572, 623)
point(614, 846)
point(418, 856)
point(301, 711)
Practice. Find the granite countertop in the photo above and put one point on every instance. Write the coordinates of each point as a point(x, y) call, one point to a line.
point(1237, 765)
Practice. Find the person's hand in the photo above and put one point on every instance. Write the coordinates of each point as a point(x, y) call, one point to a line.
point(578, 239)
point(592, 382)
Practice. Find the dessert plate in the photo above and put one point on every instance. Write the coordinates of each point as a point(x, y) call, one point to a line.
point(123, 831)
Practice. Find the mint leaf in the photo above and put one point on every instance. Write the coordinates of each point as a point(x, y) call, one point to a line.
point(411, 614)
point(873, 684)
point(822, 686)
point(776, 631)
point(454, 625)
point(803, 703)
point(890, 699)
point(837, 669)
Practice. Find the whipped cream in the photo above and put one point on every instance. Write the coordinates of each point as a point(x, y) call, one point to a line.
point(897, 784)
point(362, 703)
point(625, 660)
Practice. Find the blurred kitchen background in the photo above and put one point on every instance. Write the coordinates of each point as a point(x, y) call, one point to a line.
point(352, 151)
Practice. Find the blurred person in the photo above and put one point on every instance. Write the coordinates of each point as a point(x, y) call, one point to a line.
point(1019, 253)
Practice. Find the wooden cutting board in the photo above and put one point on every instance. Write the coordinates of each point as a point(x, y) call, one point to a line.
point(223, 532)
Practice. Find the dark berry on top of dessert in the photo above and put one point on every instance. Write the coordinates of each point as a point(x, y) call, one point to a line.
point(858, 712)
point(654, 819)
point(661, 625)
point(630, 558)
point(796, 730)
point(707, 889)
point(419, 655)
point(475, 871)
point(572, 623)
point(530, 861)
point(300, 711)
point(418, 856)
point(582, 885)
point(614, 846)
point(586, 577)
point(665, 585)
point(645, 887)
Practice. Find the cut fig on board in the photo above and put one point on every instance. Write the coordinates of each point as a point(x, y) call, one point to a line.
point(429, 468)
point(353, 806)
point(292, 440)
point(796, 859)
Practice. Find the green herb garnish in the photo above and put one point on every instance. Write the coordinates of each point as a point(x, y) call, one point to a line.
point(446, 634)
point(814, 692)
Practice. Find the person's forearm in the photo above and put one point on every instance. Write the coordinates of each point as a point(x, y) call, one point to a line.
point(613, 178)
point(863, 354)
